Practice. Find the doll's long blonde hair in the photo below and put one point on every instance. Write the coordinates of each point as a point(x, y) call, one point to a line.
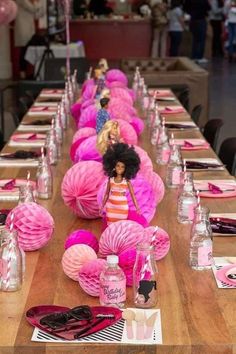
point(103, 136)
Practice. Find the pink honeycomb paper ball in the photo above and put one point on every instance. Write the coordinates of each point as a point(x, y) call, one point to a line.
point(34, 225)
point(79, 188)
point(146, 167)
point(139, 218)
point(82, 236)
point(116, 75)
point(120, 236)
point(76, 111)
point(122, 93)
point(161, 242)
point(83, 133)
point(88, 117)
point(126, 262)
point(119, 109)
point(87, 150)
point(89, 275)
point(74, 258)
point(127, 132)
point(138, 124)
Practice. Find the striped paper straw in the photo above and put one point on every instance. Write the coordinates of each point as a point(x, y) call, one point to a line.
point(28, 178)
point(198, 200)
point(148, 257)
point(10, 251)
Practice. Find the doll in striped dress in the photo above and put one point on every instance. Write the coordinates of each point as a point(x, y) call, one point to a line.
point(121, 163)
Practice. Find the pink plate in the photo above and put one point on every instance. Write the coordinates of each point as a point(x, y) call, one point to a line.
point(34, 314)
point(223, 186)
point(221, 275)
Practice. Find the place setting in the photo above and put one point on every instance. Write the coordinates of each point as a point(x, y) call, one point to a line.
point(171, 109)
point(221, 188)
point(183, 125)
point(203, 164)
point(27, 140)
point(192, 144)
point(47, 111)
point(35, 125)
point(20, 158)
point(10, 188)
point(224, 270)
point(52, 93)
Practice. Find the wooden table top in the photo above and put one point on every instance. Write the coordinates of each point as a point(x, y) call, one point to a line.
point(197, 317)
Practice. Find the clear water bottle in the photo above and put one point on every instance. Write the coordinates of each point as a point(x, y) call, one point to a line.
point(12, 261)
point(44, 181)
point(174, 167)
point(112, 284)
point(51, 147)
point(26, 194)
point(150, 113)
point(187, 200)
point(155, 126)
point(145, 276)
point(163, 146)
point(63, 113)
point(200, 257)
point(145, 99)
point(136, 79)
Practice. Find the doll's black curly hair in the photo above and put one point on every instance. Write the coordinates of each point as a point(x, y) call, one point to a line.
point(124, 153)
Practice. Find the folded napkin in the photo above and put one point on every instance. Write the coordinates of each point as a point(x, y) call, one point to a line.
point(171, 109)
point(197, 144)
point(223, 225)
point(39, 122)
point(214, 189)
point(9, 185)
point(21, 154)
point(197, 165)
point(42, 109)
point(179, 126)
point(25, 137)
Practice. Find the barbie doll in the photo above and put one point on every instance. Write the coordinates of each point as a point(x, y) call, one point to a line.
point(109, 135)
point(120, 163)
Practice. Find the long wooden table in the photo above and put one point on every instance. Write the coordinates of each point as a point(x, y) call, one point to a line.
point(197, 317)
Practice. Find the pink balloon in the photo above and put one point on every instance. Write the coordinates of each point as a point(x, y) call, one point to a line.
point(5, 10)
point(13, 12)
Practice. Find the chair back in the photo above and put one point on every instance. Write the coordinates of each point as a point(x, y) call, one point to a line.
point(212, 131)
point(196, 113)
point(227, 154)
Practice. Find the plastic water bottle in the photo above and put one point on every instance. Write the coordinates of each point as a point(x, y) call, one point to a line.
point(174, 167)
point(112, 284)
point(200, 257)
point(187, 200)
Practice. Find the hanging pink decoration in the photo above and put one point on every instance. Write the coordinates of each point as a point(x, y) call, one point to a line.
point(8, 11)
point(89, 275)
point(79, 188)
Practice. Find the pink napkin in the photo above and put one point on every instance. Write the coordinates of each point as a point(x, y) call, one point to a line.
point(27, 137)
point(171, 110)
point(214, 189)
point(198, 146)
point(9, 185)
point(43, 109)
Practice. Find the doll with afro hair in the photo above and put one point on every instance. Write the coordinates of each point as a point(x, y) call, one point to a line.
point(120, 163)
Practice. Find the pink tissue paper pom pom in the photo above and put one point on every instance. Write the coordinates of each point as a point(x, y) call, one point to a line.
point(120, 236)
point(74, 258)
point(161, 242)
point(139, 218)
point(83, 132)
point(74, 147)
point(137, 124)
point(88, 117)
point(116, 75)
point(119, 109)
point(82, 236)
point(87, 150)
point(88, 92)
point(89, 276)
point(76, 111)
point(86, 83)
point(79, 188)
point(126, 262)
point(146, 166)
point(34, 225)
point(127, 132)
point(123, 94)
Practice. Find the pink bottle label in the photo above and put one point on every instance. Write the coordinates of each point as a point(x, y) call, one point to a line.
point(3, 269)
point(191, 211)
point(176, 177)
point(205, 256)
point(146, 102)
point(113, 293)
point(165, 155)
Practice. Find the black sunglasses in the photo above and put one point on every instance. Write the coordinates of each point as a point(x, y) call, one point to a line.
point(55, 321)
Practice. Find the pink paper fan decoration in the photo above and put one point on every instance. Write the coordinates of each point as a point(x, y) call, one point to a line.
point(139, 218)
point(161, 243)
point(87, 150)
point(126, 262)
point(116, 75)
point(120, 236)
point(137, 124)
point(34, 225)
point(83, 132)
point(74, 258)
point(88, 117)
point(79, 188)
point(123, 94)
point(146, 166)
point(127, 132)
point(89, 275)
point(82, 236)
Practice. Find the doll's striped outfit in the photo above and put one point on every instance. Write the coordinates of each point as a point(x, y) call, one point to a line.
point(117, 204)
